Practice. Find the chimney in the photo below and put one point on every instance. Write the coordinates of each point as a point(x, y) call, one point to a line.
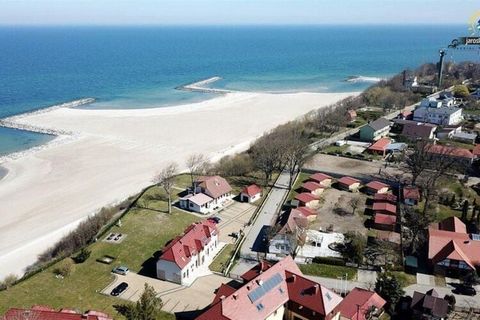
point(259, 282)
point(316, 288)
point(235, 296)
point(294, 277)
point(222, 297)
point(248, 287)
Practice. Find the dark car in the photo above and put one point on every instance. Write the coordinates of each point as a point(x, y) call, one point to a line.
point(215, 219)
point(465, 290)
point(119, 289)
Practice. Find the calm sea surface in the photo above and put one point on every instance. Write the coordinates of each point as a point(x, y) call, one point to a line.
point(139, 67)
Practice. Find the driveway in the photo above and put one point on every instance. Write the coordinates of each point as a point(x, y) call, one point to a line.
point(176, 298)
point(234, 218)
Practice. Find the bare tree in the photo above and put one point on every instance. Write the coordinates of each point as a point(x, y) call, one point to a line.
point(268, 154)
point(197, 164)
point(166, 179)
point(354, 203)
point(418, 161)
point(295, 152)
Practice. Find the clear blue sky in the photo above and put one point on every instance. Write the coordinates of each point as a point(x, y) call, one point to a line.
point(141, 12)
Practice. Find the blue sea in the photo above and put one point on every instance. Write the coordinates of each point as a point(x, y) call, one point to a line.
point(139, 67)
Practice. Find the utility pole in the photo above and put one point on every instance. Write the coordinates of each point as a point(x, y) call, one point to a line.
point(440, 67)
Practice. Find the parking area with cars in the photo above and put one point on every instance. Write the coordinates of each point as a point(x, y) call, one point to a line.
point(233, 219)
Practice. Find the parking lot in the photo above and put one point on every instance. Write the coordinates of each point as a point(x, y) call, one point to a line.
point(234, 218)
point(176, 298)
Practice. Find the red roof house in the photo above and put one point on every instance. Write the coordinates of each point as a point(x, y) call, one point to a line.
point(360, 303)
point(385, 222)
point(460, 154)
point(46, 313)
point(349, 183)
point(351, 115)
point(251, 193)
point(450, 247)
point(308, 212)
point(313, 187)
point(385, 208)
point(322, 178)
point(385, 197)
point(374, 187)
point(182, 252)
point(380, 146)
point(411, 195)
point(277, 289)
point(306, 199)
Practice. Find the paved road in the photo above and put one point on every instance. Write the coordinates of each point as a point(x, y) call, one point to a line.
point(254, 242)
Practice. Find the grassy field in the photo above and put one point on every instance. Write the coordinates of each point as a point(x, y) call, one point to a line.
point(302, 176)
point(147, 228)
point(328, 271)
point(335, 149)
point(405, 279)
point(223, 258)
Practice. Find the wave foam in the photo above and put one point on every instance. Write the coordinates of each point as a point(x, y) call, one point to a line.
point(355, 79)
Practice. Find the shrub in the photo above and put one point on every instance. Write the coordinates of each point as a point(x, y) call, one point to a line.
point(8, 282)
point(64, 268)
point(329, 260)
point(82, 256)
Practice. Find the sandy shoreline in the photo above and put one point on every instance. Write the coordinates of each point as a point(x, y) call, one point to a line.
point(113, 154)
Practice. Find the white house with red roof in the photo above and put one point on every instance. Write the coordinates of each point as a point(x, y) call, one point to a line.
point(47, 313)
point(374, 187)
point(211, 193)
point(293, 225)
point(411, 195)
point(321, 178)
point(275, 292)
point(307, 199)
point(349, 183)
point(451, 250)
point(188, 256)
point(313, 187)
point(251, 193)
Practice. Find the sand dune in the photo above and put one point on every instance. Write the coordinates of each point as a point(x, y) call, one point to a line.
point(114, 153)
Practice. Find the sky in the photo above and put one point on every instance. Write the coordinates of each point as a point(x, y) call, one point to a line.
point(235, 12)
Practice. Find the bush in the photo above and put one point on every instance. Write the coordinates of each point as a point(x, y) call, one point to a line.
point(82, 256)
point(64, 268)
point(8, 282)
point(329, 260)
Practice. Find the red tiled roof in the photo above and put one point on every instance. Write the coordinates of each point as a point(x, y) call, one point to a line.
point(411, 193)
point(385, 219)
point(252, 190)
point(377, 185)
point(44, 314)
point(223, 291)
point(348, 181)
point(452, 224)
point(319, 177)
point(476, 150)
point(214, 186)
point(380, 144)
point(311, 186)
point(385, 206)
point(305, 197)
point(295, 219)
point(262, 266)
point(449, 151)
point(194, 239)
point(385, 197)
point(238, 305)
point(418, 130)
point(444, 244)
point(358, 302)
point(307, 211)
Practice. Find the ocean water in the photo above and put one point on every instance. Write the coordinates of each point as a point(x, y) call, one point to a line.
point(139, 67)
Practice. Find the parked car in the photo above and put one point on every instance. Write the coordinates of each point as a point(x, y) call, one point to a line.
point(119, 289)
point(465, 290)
point(121, 270)
point(215, 219)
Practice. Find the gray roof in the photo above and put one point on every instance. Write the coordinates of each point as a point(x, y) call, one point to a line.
point(443, 110)
point(379, 124)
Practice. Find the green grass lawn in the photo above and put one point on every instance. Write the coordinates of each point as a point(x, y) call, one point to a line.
point(302, 176)
point(147, 228)
point(405, 279)
point(328, 271)
point(223, 258)
point(335, 149)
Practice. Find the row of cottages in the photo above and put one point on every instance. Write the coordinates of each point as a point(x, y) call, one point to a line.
point(311, 190)
point(280, 292)
point(189, 255)
point(384, 207)
point(375, 130)
point(209, 193)
point(451, 250)
point(38, 312)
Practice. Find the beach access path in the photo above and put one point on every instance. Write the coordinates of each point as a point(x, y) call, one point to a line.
point(113, 154)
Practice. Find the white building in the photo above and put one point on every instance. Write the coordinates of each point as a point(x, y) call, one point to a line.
point(211, 193)
point(440, 116)
point(188, 256)
point(251, 193)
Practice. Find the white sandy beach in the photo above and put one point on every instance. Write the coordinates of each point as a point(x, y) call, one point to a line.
point(115, 153)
